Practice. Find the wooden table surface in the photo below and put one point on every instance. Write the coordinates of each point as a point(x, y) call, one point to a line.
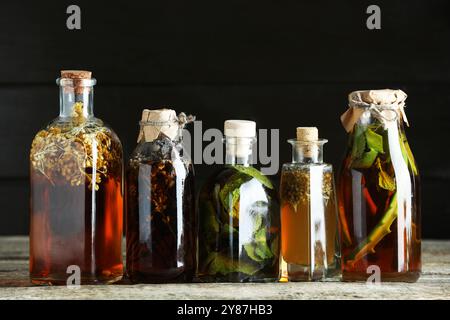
point(434, 283)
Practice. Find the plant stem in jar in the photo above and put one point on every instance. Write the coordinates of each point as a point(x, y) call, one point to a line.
point(378, 233)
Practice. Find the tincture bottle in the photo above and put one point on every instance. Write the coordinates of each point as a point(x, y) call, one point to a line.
point(161, 221)
point(309, 245)
point(76, 192)
point(379, 191)
point(239, 215)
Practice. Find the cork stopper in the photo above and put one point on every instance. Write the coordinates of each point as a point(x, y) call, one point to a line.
point(155, 122)
point(76, 74)
point(307, 134)
point(78, 81)
point(240, 128)
point(307, 137)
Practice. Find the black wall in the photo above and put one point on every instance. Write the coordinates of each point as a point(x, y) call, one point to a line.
point(280, 63)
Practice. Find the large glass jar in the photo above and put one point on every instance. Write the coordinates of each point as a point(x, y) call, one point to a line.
point(378, 191)
point(239, 216)
point(76, 192)
point(309, 228)
point(161, 222)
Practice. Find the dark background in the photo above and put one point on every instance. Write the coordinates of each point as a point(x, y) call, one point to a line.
point(281, 63)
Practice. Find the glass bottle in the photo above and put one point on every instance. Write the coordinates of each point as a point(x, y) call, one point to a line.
point(161, 221)
point(309, 233)
point(378, 191)
point(239, 216)
point(76, 192)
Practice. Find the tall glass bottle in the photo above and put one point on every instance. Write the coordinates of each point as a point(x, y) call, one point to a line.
point(161, 221)
point(309, 233)
point(76, 192)
point(239, 217)
point(379, 200)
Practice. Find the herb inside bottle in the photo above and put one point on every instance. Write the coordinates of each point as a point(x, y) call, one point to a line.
point(379, 205)
point(161, 221)
point(239, 219)
point(309, 243)
point(76, 192)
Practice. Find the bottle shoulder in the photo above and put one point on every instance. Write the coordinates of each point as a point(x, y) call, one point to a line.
point(160, 150)
point(379, 149)
point(68, 135)
point(68, 151)
point(306, 166)
point(79, 125)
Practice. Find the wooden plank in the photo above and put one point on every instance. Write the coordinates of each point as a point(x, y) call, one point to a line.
point(434, 283)
point(200, 42)
point(302, 291)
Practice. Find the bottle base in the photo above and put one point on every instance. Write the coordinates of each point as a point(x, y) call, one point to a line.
point(154, 278)
point(410, 277)
point(303, 273)
point(234, 278)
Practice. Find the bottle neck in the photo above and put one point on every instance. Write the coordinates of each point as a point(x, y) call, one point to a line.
point(382, 125)
point(239, 151)
point(307, 152)
point(69, 96)
point(381, 117)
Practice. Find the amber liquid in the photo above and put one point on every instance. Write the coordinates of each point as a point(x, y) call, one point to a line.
point(75, 226)
point(362, 204)
point(309, 230)
point(161, 223)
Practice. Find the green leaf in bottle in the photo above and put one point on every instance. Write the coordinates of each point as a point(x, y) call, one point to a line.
point(220, 264)
point(374, 141)
point(366, 139)
point(255, 173)
point(262, 249)
point(382, 229)
point(407, 154)
point(359, 143)
point(250, 249)
point(366, 161)
point(229, 193)
point(258, 250)
point(385, 181)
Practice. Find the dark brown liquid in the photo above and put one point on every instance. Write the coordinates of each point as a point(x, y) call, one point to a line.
point(161, 223)
point(74, 225)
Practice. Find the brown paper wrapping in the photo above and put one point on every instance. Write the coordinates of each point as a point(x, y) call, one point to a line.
point(163, 121)
point(360, 101)
point(350, 117)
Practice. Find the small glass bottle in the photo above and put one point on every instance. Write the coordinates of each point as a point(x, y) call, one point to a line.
point(239, 216)
point(309, 232)
point(378, 191)
point(76, 192)
point(161, 221)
